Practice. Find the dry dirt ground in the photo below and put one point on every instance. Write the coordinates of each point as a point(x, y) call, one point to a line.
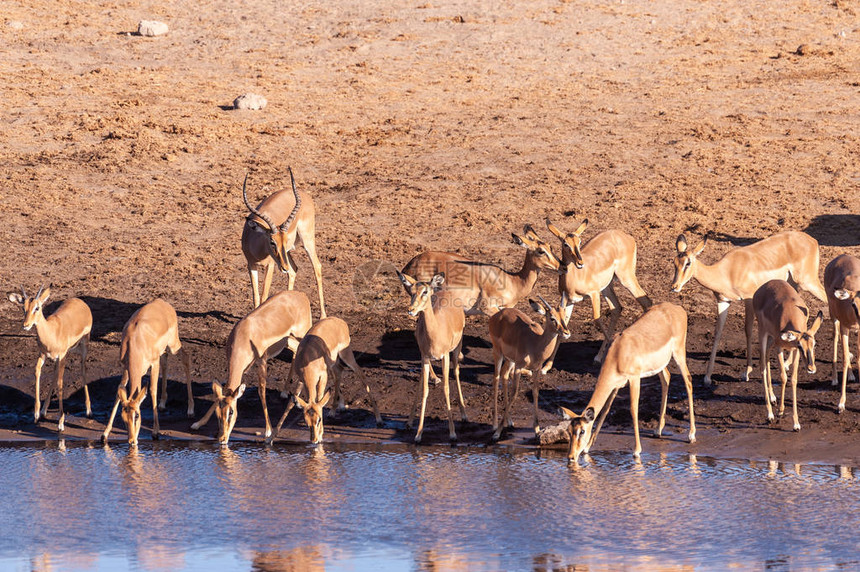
point(426, 125)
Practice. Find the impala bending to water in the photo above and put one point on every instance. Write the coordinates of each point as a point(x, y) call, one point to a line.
point(280, 321)
point(739, 273)
point(842, 283)
point(150, 331)
point(318, 353)
point(642, 350)
point(439, 333)
point(782, 316)
point(519, 343)
point(281, 222)
point(67, 329)
point(588, 271)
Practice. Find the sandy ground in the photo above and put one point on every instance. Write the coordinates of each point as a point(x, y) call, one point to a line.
point(414, 126)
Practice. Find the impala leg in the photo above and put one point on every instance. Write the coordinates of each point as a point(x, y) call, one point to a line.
point(457, 380)
point(509, 397)
point(446, 363)
point(627, 276)
point(612, 318)
point(795, 354)
point(497, 372)
point(153, 394)
point(83, 349)
point(186, 363)
point(837, 334)
point(846, 366)
point(162, 399)
point(268, 274)
point(61, 367)
point(568, 310)
point(40, 361)
point(205, 419)
point(123, 383)
point(784, 378)
point(425, 379)
point(769, 397)
point(535, 383)
point(634, 413)
point(255, 285)
point(749, 322)
point(595, 314)
point(600, 419)
point(262, 372)
point(681, 360)
point(722, 314)
point(290, 405)
point(349, 359)
point(309, 244)
point(664, 400)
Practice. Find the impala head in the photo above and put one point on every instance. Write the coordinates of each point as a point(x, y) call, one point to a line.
point(421, 292)
point(313, 413)
point(579, 432)
point(130, 411)
point(805, 340)
point(555, 315)
point(225, 409)
point(685, 262)
point(571, 244)
point(32, 306)
point(539, 251)
point(281, 238)
point(853, 298)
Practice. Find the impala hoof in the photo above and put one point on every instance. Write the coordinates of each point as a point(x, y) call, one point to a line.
point(195, 426)
point(707, 381)
point(841, 408)
point(155, 436)
point(417, 439)
point(691, 439)
point(796, 427)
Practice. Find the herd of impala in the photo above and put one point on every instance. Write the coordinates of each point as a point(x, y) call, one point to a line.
point(443, 289)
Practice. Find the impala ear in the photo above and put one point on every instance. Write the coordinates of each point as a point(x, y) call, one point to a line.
point(122, 395)
point(529, 231)
point(553, 229)
point(567, 413)
point(788, 336)
point(681, 243)
point(701, 246)
point(218, 390)
point(300, 403)
point(518, 240)
point(291, 262)
point(139, 396)
point(18, 299)
point(537, 306)
point(239, 391)
point(46, 293)
point(816, 323)
point(437, 281)
point(588, 414)
point(407, 280)
point(581, 228)
point(839, 294)
point(324, 401)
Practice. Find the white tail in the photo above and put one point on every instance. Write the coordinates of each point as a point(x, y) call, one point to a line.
point(642, 350)
point(439, 333)
point(521, 344)
point(842, 284)
point(65, 330)
point(151, 330)
point(284, 220)
point(280, 321)
point(324, 345)
point(782, 316)
point(738, 274)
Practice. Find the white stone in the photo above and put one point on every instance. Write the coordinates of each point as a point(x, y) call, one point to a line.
point(15, 24)
point(151, 28)
point(249, 101)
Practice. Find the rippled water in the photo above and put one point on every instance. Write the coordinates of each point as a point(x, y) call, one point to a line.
point(197, 507)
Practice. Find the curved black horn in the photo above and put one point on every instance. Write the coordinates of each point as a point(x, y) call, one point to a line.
point(286, 225)
point(254, 211)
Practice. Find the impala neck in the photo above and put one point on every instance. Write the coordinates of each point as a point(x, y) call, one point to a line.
point(713, 278)
point(526, 278)
point(606, 383)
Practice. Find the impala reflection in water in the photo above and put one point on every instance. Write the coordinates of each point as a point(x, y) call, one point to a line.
point(171, 506)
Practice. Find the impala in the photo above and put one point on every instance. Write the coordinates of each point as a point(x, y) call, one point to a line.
point(150, 331)
point(483, 288)
point(739, 273)
point(281, 222)
point(519, 343)
point(642, 350)
point(782, 316)
point(280, 321)
point(439, 332)
point(842, 283)
point(325, 345)
point(67, 329)
point(611, 253)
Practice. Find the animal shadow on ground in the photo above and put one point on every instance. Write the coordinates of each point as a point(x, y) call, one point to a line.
point(835, 229)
